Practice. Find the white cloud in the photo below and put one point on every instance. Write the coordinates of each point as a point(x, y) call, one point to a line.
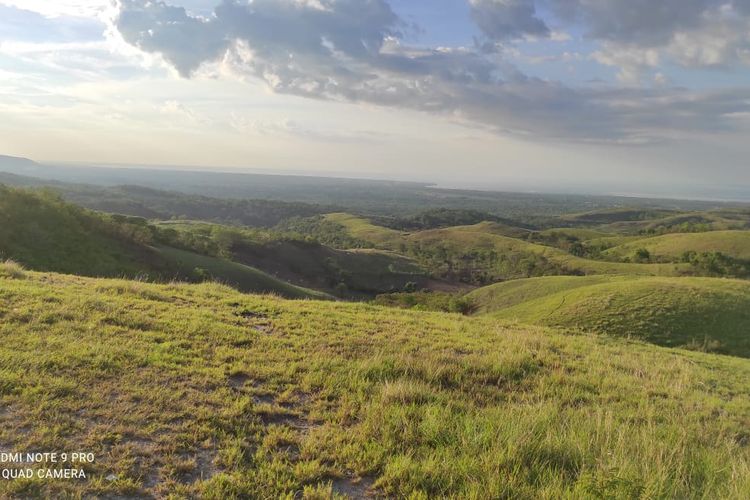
point(58, 8)
point(349, 50)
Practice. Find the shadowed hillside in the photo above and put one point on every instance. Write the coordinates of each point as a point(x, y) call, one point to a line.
point(44, 233)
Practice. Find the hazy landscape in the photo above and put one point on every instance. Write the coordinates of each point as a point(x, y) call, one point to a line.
point(375, 249)
point(522, 345)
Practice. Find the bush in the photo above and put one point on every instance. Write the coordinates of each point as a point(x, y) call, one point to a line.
point(12, 269)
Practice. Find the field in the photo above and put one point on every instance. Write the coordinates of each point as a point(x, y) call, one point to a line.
point(697, 313)
point(189, 390)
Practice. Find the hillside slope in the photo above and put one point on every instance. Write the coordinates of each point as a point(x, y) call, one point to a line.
point(197, 390)
point(701, 313)
point(491, 254)
point(735, 244)
point(44, 233)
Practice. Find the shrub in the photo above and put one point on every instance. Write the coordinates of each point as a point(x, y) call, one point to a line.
point(12, 269)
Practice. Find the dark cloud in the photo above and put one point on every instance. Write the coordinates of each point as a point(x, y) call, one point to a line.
point(350, 50)
point(644, 22)
point(508, 19)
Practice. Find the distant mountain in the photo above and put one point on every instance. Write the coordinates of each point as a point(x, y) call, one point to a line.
point(17, 162)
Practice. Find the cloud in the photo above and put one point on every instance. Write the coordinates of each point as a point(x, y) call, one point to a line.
point(694, 33)
point(351, 50)
point(508, 19)
point(62, 8)
point(288, 127)
point(25, 25)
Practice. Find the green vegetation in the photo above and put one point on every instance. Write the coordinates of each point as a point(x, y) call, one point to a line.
point(42, 232)
point(299, 259)
point(198, 390)
point(239, 276)
point(362, 230)
point(187, 391)
point(609, 216)
point(157, 204)
point(481, 254)
point(696, 313)
point(443, 217)
point(671, 247)
point(383, 198)
point(427, 301)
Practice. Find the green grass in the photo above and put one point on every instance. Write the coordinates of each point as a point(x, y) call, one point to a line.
point(355, 273)
point(735, 244)
point(615, 215)
point(200, 391)
point(467, 239)
point(470, 237)
point(362, 229)
point(582, 234)
point(43, 233)
point(698, 313)
point(243, 278)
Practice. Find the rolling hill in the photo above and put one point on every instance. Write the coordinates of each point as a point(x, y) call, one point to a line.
point(44, 233)
point(200, 391)
point(244, 278)
point(356, 273)
point(502, 257)
point(700, 313)
point(735, 244)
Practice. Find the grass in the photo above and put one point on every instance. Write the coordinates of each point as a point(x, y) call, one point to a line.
point(735, 244)
point(243, 278)
point(582, 234)
point(41, 232)
point(362, 229)
point(467, 239)
point(698, 313)
point(13, 270)
point(200, 391)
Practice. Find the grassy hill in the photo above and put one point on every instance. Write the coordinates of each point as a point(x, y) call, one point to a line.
point(243, 278)
point(303, 261)
point(735, 244)
point(482, 253)
point(198, 390)
point(44, 233)
point(614, 215)
point(362, 229)
point(700, 313)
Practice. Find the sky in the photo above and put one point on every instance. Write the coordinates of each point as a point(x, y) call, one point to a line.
point(615, 96)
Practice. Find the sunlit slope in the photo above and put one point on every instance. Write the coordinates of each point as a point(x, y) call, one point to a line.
point(701, 313)
point(198, 391)
point(734, 244)
point(464, 239)
point(362, 229)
